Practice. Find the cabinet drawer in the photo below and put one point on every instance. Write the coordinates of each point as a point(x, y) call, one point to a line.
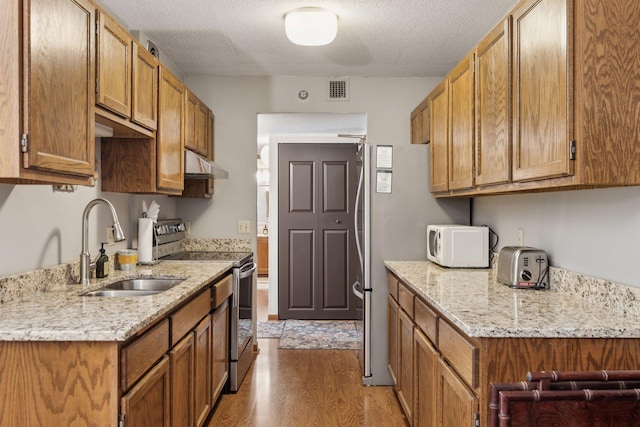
point(221, 291)
point(136, 358)
point(187, 317)
point(461, 354)
point(427, 320)
point(393, 285)
point(405, 298)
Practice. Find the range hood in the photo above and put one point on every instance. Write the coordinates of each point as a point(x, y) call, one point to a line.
point(197, 167)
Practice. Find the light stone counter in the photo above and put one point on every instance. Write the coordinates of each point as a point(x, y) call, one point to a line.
point(59, 313)
point(481, 307)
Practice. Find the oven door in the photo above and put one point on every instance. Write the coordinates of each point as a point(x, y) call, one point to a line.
point(242, 307)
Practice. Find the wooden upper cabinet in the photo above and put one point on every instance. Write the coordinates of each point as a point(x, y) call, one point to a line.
point(144, 104)
point(493, 106)
point(461, 126)
point(47, 102)
point(415, 126)
point(439, 107)
point(210, 135)
point(425, 121)
point(196, 124)
point(420, 120)
point(542, 81)
point(170, 136)
point(114, 66)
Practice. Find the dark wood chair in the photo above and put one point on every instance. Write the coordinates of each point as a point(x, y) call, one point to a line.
point(569, 398)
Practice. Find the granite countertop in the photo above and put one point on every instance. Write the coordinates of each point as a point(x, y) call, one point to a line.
point(476, 303)
point(61, 314)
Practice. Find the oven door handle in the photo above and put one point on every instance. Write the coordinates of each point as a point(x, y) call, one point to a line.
point(247, 270)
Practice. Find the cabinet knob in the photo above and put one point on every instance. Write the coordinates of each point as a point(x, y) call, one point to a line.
point(337, 221)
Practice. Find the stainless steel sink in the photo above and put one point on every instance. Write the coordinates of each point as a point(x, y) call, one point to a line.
point(134, 287)
point(156, 284)
point(102, 292)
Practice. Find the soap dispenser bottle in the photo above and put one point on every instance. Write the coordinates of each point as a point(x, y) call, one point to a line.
point(102, 264)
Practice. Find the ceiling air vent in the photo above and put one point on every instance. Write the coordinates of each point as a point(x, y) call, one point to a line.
point(338, 89)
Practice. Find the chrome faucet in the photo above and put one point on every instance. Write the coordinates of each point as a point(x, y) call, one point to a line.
point(85, 257)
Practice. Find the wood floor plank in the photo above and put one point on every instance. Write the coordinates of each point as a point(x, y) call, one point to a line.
point(306, 388)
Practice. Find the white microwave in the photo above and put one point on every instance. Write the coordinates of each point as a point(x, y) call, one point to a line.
point(459, 246)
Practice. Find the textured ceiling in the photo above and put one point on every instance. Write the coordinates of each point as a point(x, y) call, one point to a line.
point(376, 38)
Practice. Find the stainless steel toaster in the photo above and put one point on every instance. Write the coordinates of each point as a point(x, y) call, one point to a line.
point(523, 267)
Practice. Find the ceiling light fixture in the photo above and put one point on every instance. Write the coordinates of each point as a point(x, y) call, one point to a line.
point(311, 26)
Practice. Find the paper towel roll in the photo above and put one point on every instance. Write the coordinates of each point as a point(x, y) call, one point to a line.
point(145, 240)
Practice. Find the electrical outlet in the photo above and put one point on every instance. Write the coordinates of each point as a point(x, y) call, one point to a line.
point(109, 240)
point(520, 237)
point(243, 227)
point(187, 228)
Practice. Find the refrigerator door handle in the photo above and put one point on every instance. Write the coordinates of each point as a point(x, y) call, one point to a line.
point(355, 215)
point(357, 290)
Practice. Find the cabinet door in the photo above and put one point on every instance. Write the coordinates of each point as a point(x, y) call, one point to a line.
point(425, 122)
point(114, 66)
point(493, 107)
point(220, 351)
point(210, 135)
point(201, 129)
point(202, 376)
point(405, 362)
point(425, 381)
point(461, 126)
point(440, 137)
point(190, 121)
point(182, 359)
point(263, 256)
point(148, 403)
point(541, 84)
point(170, 136)
point(59, 85)
point(392, 341)
point(458, 406)
point(144, 104)
point(415, 126)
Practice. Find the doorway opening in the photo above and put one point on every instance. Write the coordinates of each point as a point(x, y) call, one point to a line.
point(275, 129)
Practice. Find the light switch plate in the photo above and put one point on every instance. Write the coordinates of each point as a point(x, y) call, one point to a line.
point(243, 227)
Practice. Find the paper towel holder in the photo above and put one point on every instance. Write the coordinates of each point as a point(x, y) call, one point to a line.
point(154, 242)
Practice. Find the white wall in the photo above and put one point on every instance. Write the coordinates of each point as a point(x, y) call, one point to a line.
point(236, 102)
point(594, 232)
point(42, 228)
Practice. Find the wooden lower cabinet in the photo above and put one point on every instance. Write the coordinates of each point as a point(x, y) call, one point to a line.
point(453, 372)
point(457, 405)
point(203, 363)
point(220, 349)
point(263, 256)
point(148, 404)
point(182, 382)
point(404, 387)
point(392, 316)
point(159, 377)
point(425, 377)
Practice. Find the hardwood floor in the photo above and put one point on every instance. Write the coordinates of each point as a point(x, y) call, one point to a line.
point(306, 388)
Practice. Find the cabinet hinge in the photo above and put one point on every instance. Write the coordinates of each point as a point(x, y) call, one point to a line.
point(24, 143)
point(97, 25)
point(121, 421)
point(476, 419)
point(572, 150)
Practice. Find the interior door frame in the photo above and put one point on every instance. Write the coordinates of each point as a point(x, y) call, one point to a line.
point(274, 140)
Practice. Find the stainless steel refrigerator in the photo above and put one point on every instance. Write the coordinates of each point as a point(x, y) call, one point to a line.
point(394, 205)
